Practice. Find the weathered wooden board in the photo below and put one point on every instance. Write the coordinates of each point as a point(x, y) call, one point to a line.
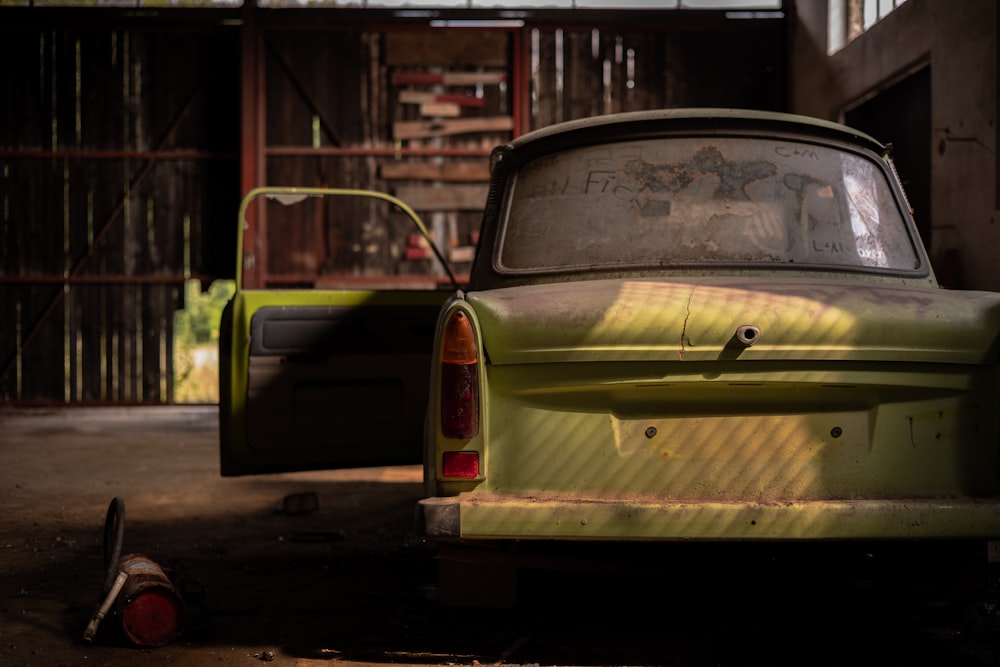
point(465, 253)
point(440, 110)
point(447, 198)
point(426, 129)
point(482, 48)
point(424, 97)
point(491, 78)
point(426, 171)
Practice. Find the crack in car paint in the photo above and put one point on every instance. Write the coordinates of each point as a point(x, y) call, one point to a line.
point(687, 315)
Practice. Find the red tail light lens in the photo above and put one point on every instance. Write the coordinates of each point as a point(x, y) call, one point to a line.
point(460, 464)
point(459, 378)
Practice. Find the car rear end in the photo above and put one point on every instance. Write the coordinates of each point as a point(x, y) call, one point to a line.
point(715, 329)
point(632, 410)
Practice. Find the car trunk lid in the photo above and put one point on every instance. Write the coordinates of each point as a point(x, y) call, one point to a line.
point(846, 384)
point(697, 320)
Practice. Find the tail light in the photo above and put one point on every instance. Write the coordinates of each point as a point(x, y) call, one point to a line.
point(460, 464)
point(459, 378)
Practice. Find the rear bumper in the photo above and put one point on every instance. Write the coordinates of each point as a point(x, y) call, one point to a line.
point(475, 517)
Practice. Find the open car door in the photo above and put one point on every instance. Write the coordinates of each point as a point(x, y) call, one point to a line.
point(327, 368)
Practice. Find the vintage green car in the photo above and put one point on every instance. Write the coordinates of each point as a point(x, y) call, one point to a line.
point(708, 325)
point(680, 327)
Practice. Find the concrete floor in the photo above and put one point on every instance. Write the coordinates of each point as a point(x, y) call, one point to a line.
point(350, 582)
point(260, 580)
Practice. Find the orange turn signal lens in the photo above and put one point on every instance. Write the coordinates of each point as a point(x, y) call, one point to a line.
point(459, 345)
point(459, 378)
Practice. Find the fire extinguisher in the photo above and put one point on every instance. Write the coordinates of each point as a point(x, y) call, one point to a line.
point(145, 600)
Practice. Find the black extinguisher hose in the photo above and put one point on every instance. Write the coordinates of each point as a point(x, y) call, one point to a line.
point(114, 536)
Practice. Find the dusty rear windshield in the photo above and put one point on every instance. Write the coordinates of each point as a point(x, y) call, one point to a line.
point(703, 201)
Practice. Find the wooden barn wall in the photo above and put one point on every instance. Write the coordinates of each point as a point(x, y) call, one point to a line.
point(119, 161)
point(120, 172)
point(347, 92)
point(339, 113)
point(581, 73)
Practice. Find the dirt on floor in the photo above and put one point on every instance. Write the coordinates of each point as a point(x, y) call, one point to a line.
point(320, 568)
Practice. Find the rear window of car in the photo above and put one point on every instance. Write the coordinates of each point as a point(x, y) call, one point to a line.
point(704, 201)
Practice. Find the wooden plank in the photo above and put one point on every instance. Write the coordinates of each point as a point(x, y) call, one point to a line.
point(421, 48)
point(450, 198)
point(409, 96)
point(426, 129)
point(465, 253)
point(425, 171)
point(440, 110)
point(490, 78)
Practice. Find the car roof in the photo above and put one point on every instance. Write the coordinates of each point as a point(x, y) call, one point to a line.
point(635, 124)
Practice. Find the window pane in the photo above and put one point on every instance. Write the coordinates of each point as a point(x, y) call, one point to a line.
point(702, 201)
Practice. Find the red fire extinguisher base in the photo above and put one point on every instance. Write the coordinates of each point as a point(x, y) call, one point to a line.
point(152, 619)
point(149, 608)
